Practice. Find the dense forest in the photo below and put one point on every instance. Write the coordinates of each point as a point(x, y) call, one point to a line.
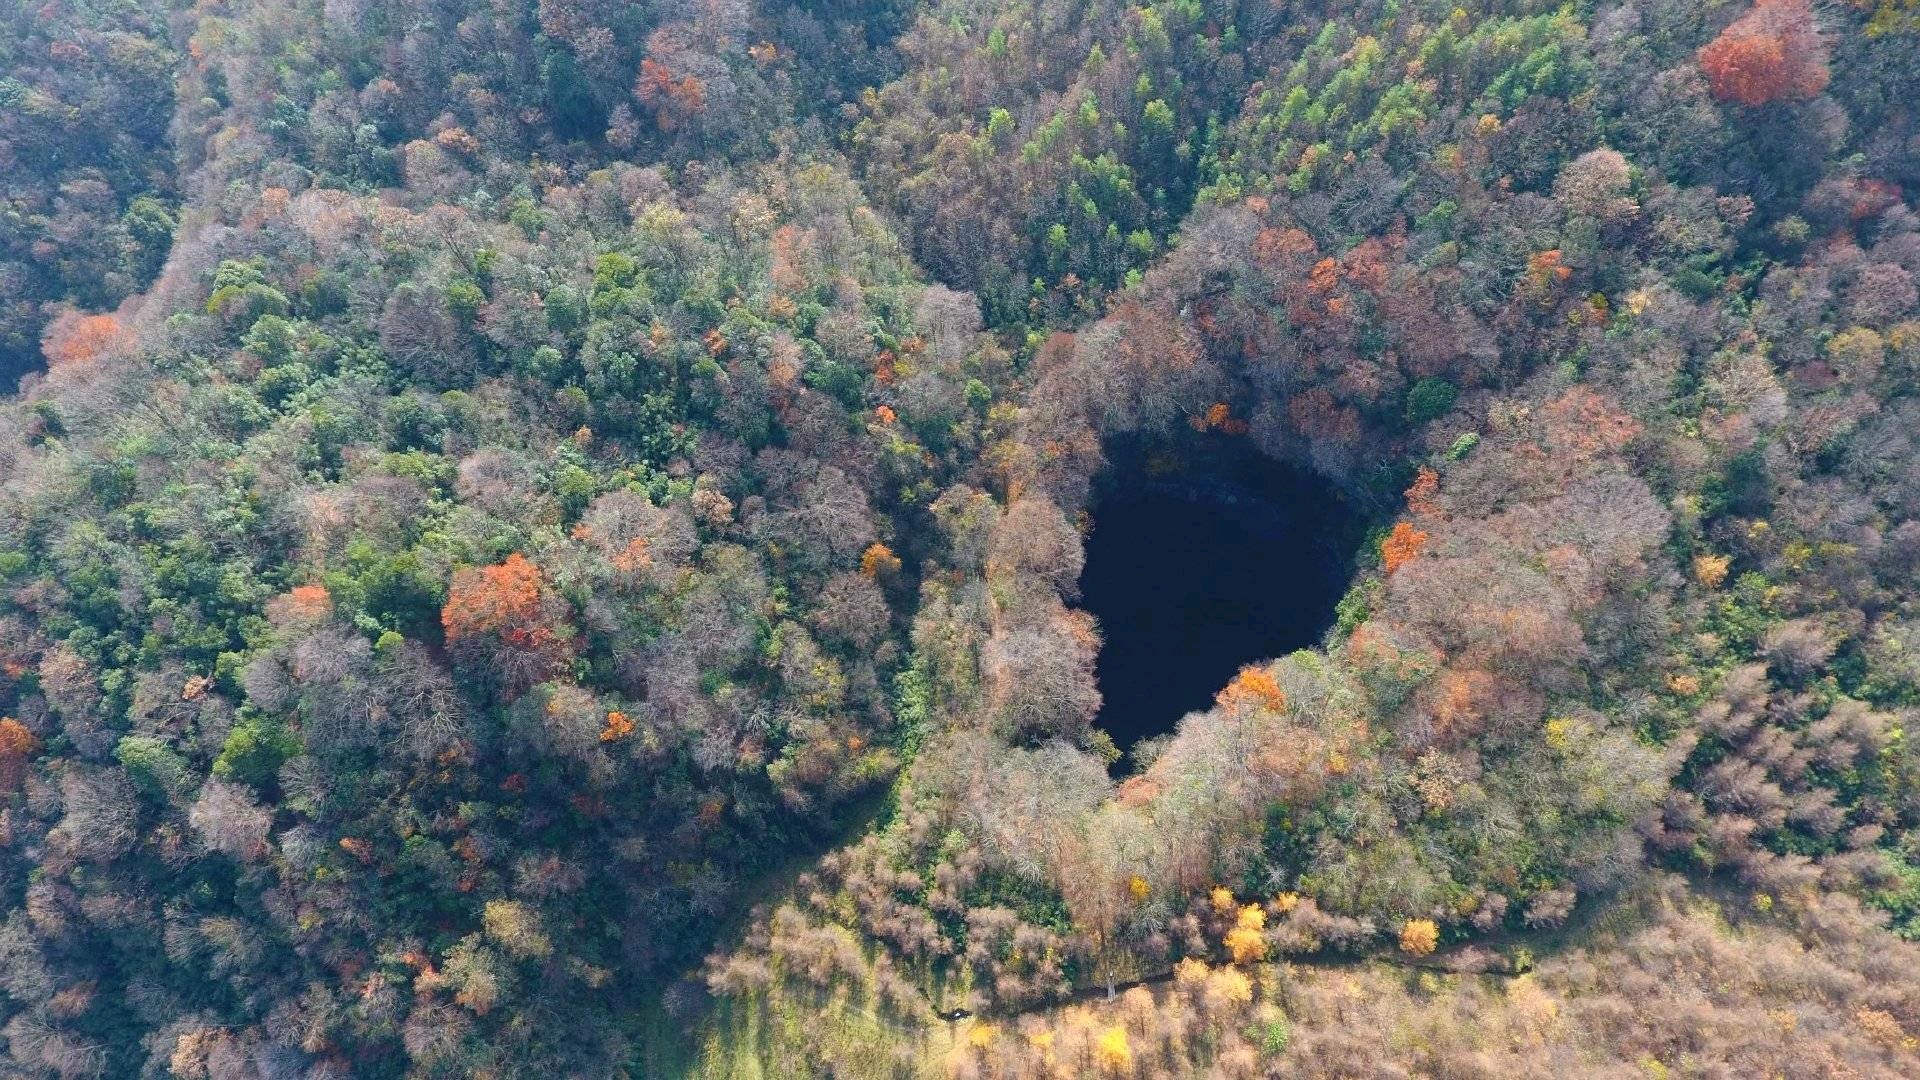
point(545, 538)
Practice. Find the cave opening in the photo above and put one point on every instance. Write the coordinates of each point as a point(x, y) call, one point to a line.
point(1204, 556)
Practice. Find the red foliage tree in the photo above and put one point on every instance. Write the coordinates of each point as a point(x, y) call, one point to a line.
point(1772, 53)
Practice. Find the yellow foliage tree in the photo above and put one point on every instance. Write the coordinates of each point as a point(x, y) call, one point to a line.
point(1112, 1051)
point(1190, 973)
point(1227, 987)
point(1710, 570)
point(1247, 940)
point(517, 928)
point(1419, 937)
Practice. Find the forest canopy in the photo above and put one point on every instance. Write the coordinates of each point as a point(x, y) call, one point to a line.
point(546, 538)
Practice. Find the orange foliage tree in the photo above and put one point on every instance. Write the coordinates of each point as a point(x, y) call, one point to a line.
point(506, 614)
point(1426, 485)
point(1401, 546)
point(1255, 687)
point(302, 605)
point(1772, 53)
point(879, 561)
point(1462, 696)
point(78, 340)
point(16, 745)
point(1546, 267)
point(503, 599)
point(672, 98)
point(1219, 417)
point(1582, 426)
point(619, 726)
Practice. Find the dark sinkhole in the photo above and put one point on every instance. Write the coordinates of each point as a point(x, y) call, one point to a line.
point(1205, 556)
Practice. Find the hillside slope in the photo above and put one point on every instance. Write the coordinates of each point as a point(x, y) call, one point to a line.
point(548, 538)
